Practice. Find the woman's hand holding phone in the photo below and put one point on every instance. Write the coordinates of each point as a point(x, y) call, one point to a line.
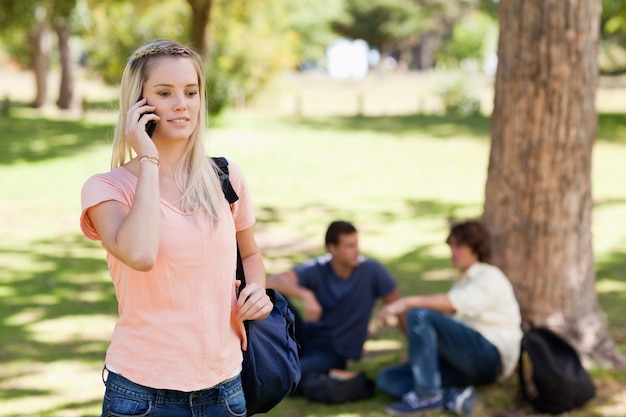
point(140, 124)
point(150, 124)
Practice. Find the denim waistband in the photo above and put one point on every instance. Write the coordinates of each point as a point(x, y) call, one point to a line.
point(119, 383)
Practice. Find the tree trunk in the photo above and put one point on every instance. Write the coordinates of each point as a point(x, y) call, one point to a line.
point(66, 90)
point(538, 195)
point(40, 57)
point(422, 54)
point(200, 19)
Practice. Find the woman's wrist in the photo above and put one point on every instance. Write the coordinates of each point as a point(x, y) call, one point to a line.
point(149, 158)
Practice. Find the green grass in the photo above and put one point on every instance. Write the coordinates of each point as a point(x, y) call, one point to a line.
point(399, 178)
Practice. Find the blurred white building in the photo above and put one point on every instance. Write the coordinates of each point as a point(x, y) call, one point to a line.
point(348, 59)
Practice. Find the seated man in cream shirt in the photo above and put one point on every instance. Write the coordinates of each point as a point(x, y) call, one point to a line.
point(468, 336)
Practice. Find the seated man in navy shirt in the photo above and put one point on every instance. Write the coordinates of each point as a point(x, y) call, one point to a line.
point(338, 292)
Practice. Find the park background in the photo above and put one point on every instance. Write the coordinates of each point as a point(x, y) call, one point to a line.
point(381, 151)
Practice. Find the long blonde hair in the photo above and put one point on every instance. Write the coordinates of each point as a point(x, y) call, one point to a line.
point(195, 173)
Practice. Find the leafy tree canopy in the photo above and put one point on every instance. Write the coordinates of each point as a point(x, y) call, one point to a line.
point(117, 28)
point(473, 37)
point(310, 23)
point(18, 18)
point(614, 18)
point(380, 23)
point(250, 41)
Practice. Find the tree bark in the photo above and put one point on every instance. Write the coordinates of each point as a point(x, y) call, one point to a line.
point(200, 19)
point(66, 89)
point(538, 198)
point(422, 56)
point(40, 57)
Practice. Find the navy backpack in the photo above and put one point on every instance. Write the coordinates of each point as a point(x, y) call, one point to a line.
point(271, 366)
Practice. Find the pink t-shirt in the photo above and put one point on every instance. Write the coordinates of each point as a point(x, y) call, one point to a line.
point(176, 328)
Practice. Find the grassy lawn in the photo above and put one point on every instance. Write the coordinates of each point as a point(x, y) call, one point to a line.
point(399, 178)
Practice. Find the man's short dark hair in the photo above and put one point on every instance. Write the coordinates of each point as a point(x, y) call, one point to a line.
point(473, 234)
point(336, 229)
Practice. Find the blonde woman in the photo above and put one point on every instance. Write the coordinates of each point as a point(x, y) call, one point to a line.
point(170, 239)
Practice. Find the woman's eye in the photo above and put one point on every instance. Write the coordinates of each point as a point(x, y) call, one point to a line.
point(192, 93)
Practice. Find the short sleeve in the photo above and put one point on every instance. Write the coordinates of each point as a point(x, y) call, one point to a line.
point(243, 208)
point(477, 294)
point(309, 272)
point(96, 190)
point(384, 282)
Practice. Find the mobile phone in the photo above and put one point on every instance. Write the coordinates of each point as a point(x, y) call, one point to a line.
point(151, 125)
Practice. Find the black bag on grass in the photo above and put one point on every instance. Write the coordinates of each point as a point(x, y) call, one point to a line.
point(328, 389)
point(552, 378)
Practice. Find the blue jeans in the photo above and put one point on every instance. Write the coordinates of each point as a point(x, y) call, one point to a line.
point(316, 354)
point(126, 398)
point(444, 353)
point(318, 357)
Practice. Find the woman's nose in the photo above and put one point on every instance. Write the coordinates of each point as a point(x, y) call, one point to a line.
point(181, 103)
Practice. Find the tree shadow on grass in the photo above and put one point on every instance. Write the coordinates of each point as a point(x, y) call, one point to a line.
point(34, 139)
point(57, 284)
point(611, 126)
point(57, 306)
point(27, 138)
point(104, 105)
point(72, 408)
point(298, 246)
point(611, 284)
point(432, 125)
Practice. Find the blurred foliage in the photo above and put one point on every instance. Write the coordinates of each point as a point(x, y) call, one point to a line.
point(310, 22)
point(474, 37)
point(612, 58)
point(117, 28)
point(443, 14)
point(405, 28)
point(458, 99)
point(489, 6)
point(13, 42)
point(613, 47)
point(19, 18)
point(15, 19)
point(381, 23)
point(614, 18)
point(250, 42)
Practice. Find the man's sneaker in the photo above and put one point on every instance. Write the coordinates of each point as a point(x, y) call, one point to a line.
point(462, 402)
point(411, 404)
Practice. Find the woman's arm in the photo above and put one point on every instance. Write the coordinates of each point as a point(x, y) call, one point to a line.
point(253, 302)
point(132, 234)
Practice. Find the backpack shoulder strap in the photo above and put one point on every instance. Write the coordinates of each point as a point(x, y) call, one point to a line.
point(227, 188)
point(231, 196)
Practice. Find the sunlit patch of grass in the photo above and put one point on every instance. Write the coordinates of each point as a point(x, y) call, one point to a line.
point(382, 345)
point(50, 389)
point(608, 285)
point(72, 328)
